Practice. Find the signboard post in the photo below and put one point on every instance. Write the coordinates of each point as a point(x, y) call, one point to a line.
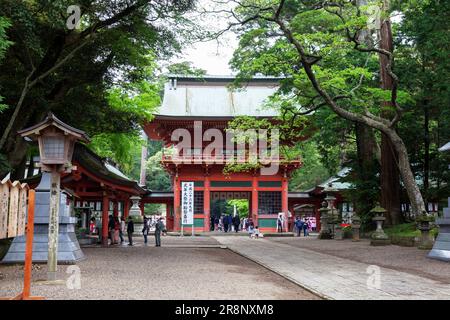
point(187, 205)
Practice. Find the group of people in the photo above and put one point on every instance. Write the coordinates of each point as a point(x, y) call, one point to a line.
point(159, 226)
point(118, 227)
point(226, 223)
point(302, 224)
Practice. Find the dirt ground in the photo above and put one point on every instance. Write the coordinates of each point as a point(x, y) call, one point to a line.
point(146, 272)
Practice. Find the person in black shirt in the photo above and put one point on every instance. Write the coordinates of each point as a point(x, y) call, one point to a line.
point(130, 230)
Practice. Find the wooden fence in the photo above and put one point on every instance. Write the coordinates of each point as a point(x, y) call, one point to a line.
point(13, 208)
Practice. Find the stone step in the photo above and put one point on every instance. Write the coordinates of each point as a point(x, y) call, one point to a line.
point(443, 221)
point(447, 212)
point(443, 237)
point(441, 245)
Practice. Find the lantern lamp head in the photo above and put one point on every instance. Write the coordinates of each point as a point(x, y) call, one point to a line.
point(56, 140)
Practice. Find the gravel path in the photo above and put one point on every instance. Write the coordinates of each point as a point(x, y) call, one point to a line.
point(407, 259)
point(168, 272)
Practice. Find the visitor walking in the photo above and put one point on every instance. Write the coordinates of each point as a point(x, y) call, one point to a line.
point(92, 226)
point(230, 222)
point(211, 223)
point(122, 228)
point(309, 226)
point(280, 222)
point(236, 223)
point(159, 227)
point(116, 230)
point(145, 230)
point(216, 223)
point(298, 226)
point(245, 224)
point(305, 228)
point(111, 226)
point(313, 224)
point(130, 230)
point(225, 223)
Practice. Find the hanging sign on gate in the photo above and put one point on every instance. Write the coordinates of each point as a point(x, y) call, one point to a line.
point(187, 203)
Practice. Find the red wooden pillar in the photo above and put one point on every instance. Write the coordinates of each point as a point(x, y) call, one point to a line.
point(126, 207)
point(206, 206)
point(105, 208)
point(255, 200)
point(169, 219)
point(176, 203)
point(284, 201)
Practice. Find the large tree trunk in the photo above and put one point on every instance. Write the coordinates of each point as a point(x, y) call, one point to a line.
point(390, 181)
point(426, 160)
point(414, 194)
point(366, 147)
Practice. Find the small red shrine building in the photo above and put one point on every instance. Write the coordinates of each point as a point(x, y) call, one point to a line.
point(199, 104)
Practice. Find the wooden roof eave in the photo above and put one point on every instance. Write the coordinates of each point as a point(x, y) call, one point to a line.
point(127, 189)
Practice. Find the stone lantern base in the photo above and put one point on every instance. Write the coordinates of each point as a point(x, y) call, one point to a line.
point(380, 242)
point(69, 250)
point(441, 247)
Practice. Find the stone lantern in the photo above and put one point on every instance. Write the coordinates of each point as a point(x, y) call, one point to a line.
point(56, 141)
point(324, 229)
point(136, 214)
point(423, 224)
point(356, 226)
point(378, 237)
point(441, 247)
point(334, 219)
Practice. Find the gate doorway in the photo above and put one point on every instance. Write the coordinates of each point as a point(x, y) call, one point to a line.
point(228, 203)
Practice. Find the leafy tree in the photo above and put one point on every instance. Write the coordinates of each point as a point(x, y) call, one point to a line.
point(423, 46)
point(242, 207)
point(81, 74)
point(4, 44)
point(317, 45)
point(185, 68)
point(313, 171)
point(158, 178)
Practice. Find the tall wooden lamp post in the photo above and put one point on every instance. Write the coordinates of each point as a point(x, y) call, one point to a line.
point(56, 144)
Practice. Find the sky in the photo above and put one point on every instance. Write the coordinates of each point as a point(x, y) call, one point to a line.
point(212, 56)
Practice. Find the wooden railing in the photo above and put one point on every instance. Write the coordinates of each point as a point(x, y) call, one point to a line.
point(220, 158)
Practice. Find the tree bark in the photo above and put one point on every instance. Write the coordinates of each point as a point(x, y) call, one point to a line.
point(366, 147)
point(389, 177)
point(426, 160)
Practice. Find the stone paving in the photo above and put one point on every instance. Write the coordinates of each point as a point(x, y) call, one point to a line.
point(334, 277)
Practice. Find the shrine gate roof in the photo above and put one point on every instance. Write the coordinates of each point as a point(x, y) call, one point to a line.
point(212, 97)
